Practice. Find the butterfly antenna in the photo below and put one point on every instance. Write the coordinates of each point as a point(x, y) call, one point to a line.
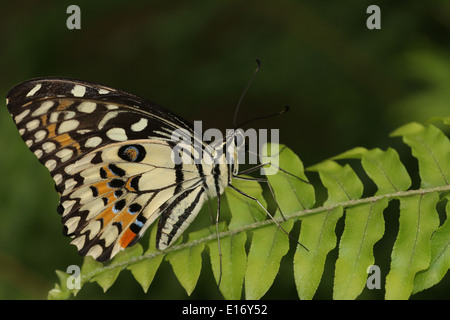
point(286, 109)
point(245, 91)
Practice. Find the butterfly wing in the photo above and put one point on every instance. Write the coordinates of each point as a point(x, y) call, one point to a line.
point(113, 200)
point(108, 153)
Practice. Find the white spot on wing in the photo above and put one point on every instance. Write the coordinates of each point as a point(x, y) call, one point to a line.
point(54, 117)
point(110, 235)
point(79, 242)
point(58, 177)
point(94, 227)
point(79, 165)
point(40, 135)
point(69, 184)
point(45, 106)
point(93, 142)
point(69, 114)
point(67, 205)
point(48, 146)
point(33, 124)
point(103, 91)
point(68, 125)
point(78, 91)
point(83, 131)
point(72, 224)
point(95, 251)
point(140, 125)
point(117, 134)
point(51, 164)
point(64, 154)
point(106, 118)
point(38, 153)
point(22, 115)
point(87, 107)
point(34, 90)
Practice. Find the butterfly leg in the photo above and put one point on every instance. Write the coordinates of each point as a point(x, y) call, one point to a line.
point(253, 169)
point(267, 212)
point(218, 239)
point(217, 233)
point(270, 189)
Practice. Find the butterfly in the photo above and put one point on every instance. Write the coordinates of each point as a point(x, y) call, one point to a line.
point(109, 153)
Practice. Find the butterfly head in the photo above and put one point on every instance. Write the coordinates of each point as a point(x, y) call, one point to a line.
point(235, 149)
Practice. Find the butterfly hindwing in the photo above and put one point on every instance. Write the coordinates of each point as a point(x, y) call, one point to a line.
point(119, 198)
point(109, 153)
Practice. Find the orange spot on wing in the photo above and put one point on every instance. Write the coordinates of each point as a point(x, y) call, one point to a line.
point(127, 237)
point(63, 104)
point(128, 185)
point(107, 215)
point(51, 130)
point(109, 173)
point(103, 189)
point(126, 218)
point(110, 196)
point(44, 119)
point(64, 139)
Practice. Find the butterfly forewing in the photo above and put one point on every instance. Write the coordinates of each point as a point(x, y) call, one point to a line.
point(109, 153)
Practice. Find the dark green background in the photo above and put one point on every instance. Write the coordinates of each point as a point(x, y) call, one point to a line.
point(346, 86)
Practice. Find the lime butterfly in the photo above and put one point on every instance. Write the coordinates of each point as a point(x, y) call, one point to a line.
point(109, 153)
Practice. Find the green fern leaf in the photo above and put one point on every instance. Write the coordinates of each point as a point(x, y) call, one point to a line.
point(234, 262)
point(291, 193)
point(317, 233)
point(432, 149)
point(145, 270)
point(61, 291)
point(187, 262)
point(386, 170)
point(440, 258)
point(411, 252)
point(269, 245)
point(364, 224)
point(106, 278)
point(244, 211)
point(252, 212)
point(418, 216)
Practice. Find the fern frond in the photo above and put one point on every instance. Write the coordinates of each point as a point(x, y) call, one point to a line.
point(420, 256)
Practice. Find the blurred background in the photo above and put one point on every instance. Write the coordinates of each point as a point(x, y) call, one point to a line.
point(346, 85)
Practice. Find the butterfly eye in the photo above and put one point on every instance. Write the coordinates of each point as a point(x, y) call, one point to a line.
point(132, 153)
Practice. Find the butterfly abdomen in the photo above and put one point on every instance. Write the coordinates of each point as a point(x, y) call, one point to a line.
point(179, 214)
